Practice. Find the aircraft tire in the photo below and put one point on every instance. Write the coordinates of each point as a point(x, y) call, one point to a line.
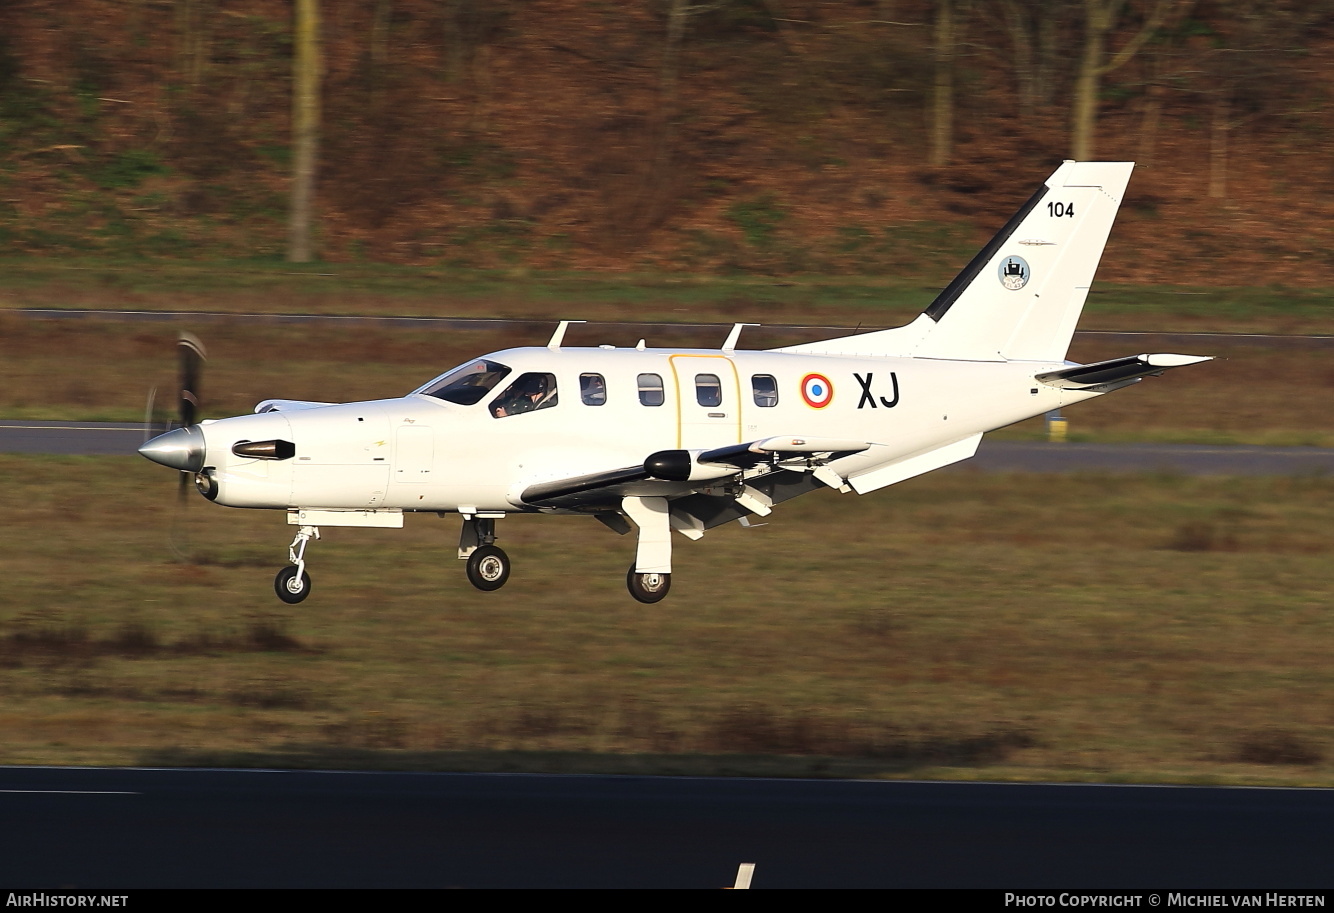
point(488, 568)
point(648, 588)
point(289, 589)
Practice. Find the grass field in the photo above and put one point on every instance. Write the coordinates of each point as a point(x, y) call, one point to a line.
point(1147, 628)
point(278, 288)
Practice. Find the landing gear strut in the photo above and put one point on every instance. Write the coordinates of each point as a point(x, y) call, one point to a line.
point(293, 583)
point(488, 565)
point(650, 577)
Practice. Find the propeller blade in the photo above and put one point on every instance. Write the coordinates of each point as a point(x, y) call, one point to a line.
point(192, 356)
point(150, 427)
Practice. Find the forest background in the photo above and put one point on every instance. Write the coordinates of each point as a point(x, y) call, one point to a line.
point(771, 136)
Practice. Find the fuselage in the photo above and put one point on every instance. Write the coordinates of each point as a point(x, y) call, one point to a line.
point(604, 408)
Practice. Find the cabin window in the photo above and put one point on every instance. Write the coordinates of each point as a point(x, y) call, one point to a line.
point(466, 385)
point(765, 390)
point(650, 390)
point(593, 389)
point(529, 393)
point(708, 390)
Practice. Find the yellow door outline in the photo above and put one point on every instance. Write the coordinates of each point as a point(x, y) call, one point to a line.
point(681, 387)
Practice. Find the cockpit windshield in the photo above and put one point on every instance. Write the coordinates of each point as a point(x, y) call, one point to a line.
point(468, 384)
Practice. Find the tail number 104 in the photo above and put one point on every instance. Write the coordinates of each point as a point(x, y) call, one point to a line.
point(1057, 210)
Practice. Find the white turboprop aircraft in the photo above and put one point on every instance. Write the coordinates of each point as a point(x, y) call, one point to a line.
point(687, 439)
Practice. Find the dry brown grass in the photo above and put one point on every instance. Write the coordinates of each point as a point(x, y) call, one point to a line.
point(972, 627)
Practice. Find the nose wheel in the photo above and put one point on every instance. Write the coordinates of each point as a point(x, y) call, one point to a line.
point(649, 588)
point(488, 567)
point(292, 585)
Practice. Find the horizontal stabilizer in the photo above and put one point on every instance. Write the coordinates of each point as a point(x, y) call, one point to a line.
point(1116, 370)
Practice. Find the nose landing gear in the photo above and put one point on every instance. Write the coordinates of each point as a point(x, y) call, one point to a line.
point(488, 565)
point(293, 583)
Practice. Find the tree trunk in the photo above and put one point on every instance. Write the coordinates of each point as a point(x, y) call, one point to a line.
point(1097, 20)
point(192, 40)
point(1218, 139)
point(942, 108)
point(1148, 131)
point(305, 130)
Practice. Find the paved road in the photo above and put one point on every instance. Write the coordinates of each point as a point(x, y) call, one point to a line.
point(219, 828)
point(993, 456)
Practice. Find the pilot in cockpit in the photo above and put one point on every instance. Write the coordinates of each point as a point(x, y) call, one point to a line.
point(531, 392)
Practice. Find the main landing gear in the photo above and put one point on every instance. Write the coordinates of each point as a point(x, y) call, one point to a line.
point(650, 577)
point(488, 565)
point(293, 583)
point(648, 580)
point(649, 588)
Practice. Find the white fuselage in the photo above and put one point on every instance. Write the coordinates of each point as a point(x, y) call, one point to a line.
point(420, 453)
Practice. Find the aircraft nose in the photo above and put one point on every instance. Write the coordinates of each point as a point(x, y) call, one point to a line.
point(180, 449)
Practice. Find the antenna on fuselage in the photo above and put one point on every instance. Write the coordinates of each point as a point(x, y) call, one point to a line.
point(729, 345)
point(558, 336)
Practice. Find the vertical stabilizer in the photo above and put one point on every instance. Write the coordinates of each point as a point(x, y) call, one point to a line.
point(1022, 295)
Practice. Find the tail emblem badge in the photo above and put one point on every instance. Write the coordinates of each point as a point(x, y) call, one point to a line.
point(1014, 273)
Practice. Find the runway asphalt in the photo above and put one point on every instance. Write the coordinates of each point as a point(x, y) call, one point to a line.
point(134, 828)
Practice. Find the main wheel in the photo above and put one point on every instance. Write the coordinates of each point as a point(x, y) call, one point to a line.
point(291, 588)
point(488, 568)
point(648, 587)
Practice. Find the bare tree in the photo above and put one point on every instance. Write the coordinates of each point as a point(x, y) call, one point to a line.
point(1100, 18)
point(305, 129)
point(1034, 30)
point(1248, 70)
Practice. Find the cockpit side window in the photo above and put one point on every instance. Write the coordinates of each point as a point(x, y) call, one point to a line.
point(531, 392)
point(466, 385)
point(593, 389)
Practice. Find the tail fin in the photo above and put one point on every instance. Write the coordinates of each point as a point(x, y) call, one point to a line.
point(1021, 296)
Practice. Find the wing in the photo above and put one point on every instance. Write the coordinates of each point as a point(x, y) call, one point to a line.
point(710, 474)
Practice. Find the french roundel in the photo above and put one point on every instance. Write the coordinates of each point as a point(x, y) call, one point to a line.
point(816, 390)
